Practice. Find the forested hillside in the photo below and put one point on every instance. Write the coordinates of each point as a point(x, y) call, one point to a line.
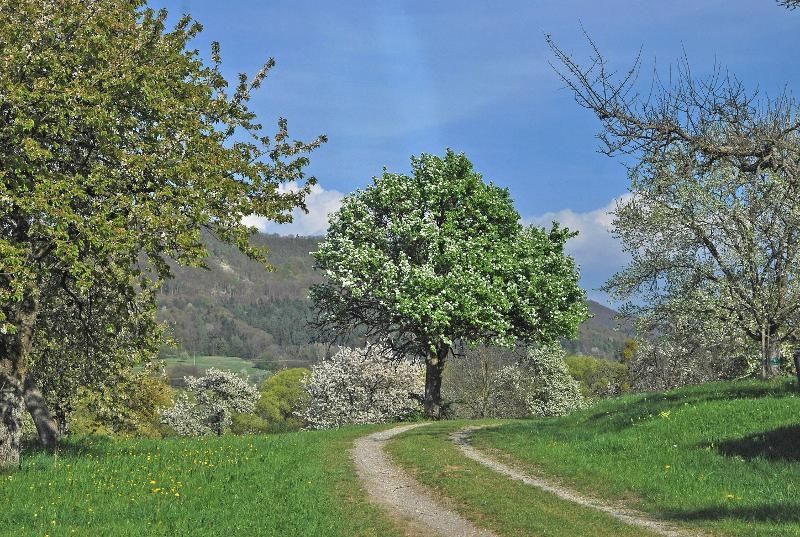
point(236, 307)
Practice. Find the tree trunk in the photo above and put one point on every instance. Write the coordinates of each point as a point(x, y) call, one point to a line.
point(46, 425)
point(15, 349)
point(434, 366)
point(796, 357)
point(10, 421)
point(770, 349)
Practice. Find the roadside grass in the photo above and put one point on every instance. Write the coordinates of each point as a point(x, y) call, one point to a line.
point(295, 484)
point(722, 456)
point(490, 500)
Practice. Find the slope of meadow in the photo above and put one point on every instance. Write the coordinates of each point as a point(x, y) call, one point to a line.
point(724, 456)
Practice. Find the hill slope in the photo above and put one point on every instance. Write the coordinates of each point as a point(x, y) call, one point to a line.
point(721, 455)
point(238, 308)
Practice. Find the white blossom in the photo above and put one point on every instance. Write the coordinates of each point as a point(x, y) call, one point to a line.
point(207, 405)
point(357, 386)
point(537, 386)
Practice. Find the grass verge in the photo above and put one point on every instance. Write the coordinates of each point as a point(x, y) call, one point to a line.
point(492, 501)
point(296, 484)
point(723, 456)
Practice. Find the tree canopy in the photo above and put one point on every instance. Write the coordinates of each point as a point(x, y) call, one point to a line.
point(118, 145)
point(712, 223)
point(437, 258)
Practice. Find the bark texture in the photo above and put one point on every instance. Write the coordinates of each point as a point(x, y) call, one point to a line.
point(15, 350)
point(46, 426)
point(10, 421)
point(434, 366)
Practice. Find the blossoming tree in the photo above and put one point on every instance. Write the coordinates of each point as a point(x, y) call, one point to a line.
point(209, 402)
point(440, 257)
point(357, 386)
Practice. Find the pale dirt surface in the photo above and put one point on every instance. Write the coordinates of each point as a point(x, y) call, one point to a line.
point(388, 485)
point(626, 515)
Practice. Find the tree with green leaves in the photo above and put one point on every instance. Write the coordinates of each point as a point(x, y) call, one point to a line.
point(430, 261)
point(283, 399)
point(119, 145)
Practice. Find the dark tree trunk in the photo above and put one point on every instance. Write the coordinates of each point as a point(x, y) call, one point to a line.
point(46, 425)
point(434, 366)
point(797, 366)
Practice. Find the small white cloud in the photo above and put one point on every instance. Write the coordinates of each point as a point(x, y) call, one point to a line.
point(320, 202)
point(595, 249)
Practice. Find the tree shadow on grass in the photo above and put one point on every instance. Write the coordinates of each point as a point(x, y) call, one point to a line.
point(70, 447)
point(782, 444)
point(772, 512)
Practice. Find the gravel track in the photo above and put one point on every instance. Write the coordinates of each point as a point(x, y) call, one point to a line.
point(388, 485)
point(629, 516)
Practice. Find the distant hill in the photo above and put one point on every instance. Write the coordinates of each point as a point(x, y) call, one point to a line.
point(603, 335)
point(238, 308)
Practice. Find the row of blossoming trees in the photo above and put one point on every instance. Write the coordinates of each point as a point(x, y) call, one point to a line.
point(366, 385)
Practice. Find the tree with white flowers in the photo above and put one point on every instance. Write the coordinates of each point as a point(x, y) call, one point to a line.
point(357, 386)
point(208, 404)
point(437, 258)
point(538, 385)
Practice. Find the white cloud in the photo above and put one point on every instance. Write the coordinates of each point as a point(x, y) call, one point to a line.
point(595, 249)
point(320, 202)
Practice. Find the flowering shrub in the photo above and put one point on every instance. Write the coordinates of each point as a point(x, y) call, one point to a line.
point(669, 362)
point(368, 385)
point(537, 386)
point(209, 402)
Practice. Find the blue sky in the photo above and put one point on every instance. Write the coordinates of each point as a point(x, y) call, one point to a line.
point(387, 80)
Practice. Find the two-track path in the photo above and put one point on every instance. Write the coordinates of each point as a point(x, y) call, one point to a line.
point(388, 485)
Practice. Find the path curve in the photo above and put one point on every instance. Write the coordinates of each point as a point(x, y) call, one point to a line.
point(629, 516)
point(390, 486)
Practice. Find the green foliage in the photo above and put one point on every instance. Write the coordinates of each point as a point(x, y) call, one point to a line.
point(194, 488)
point(119, 145)
point(441, 255)
point(249, 424)
point(282, 399)
point(598, 378)
point(723, 456)
point(128, 407)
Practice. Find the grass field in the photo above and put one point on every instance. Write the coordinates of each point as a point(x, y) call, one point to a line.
point(507, 507)
point(722, 456)
point(296, 484)
point(226, 363)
